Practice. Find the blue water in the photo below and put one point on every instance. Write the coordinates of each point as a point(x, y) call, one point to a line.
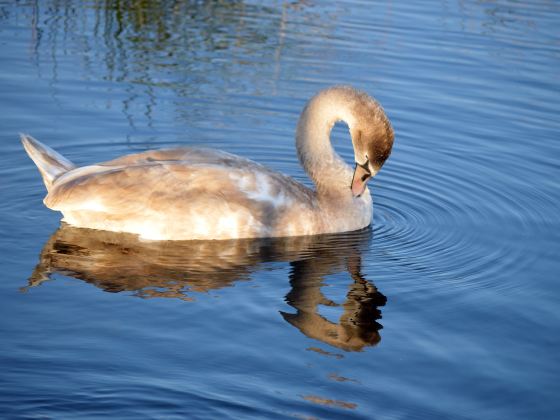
point(446, 308)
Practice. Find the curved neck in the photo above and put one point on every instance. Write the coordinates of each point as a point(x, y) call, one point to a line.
point(316, 154)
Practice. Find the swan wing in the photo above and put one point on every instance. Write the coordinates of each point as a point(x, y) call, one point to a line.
point(179, 185)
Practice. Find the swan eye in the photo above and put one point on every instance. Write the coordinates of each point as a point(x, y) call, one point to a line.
point(364, 177)
point(365, 167)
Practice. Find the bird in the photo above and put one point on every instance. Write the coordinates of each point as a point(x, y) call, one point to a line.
point(188, 193)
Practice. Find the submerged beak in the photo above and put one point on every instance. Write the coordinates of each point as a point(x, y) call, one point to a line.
point(360, 178)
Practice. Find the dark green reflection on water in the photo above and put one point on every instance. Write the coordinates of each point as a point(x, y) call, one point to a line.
point(116, 262)
point(162, 43)
point(154, 61)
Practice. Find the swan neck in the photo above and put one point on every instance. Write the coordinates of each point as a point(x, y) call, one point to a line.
point(315, 151)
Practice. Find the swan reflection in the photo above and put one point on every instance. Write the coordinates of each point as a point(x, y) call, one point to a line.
point(117, 262)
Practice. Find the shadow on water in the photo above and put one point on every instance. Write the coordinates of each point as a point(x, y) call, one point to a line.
point(117, 262)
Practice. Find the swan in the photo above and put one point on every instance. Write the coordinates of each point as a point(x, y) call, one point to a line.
point(197, 193)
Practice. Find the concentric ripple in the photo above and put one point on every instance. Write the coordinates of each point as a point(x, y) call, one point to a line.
point(446, 308)
point(438, 220)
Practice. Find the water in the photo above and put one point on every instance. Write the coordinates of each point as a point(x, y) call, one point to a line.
point(446, 308)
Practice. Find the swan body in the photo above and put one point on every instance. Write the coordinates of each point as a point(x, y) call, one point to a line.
point(195, 193)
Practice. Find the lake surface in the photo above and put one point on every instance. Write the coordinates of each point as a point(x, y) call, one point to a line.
point(447, 307)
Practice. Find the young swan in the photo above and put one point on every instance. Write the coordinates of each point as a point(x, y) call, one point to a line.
point(194, 193)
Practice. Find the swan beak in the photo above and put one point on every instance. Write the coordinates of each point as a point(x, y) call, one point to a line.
point(360, 179)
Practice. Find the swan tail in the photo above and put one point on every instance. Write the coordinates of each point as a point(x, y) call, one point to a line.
point(51, 164)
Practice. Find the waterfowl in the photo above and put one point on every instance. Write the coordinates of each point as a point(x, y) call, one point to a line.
point(196, 193)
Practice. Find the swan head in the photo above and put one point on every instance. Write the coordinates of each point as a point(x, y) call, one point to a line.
point(372, 138)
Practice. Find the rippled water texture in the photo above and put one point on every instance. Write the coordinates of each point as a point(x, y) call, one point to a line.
point(446, 308)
